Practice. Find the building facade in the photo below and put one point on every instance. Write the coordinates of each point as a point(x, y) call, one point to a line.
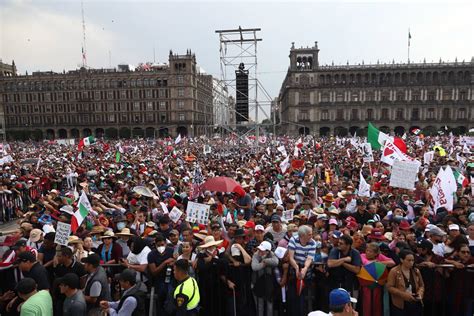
point(342, 100)
point(149, 101)
point(6, 70)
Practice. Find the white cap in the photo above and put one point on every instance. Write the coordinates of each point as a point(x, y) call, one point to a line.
point(453, 227)
point(259, 227)
point(265, 246)
point(280, 252)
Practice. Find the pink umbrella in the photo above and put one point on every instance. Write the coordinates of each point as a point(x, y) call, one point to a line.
point(223, 184)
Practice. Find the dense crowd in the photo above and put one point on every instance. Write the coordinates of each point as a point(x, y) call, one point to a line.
point(297, 227)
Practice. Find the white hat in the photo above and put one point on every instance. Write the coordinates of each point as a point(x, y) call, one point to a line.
point(280, 252)
point(259, 227)
point(453, 227)
point(265, 246)
point(67, 209)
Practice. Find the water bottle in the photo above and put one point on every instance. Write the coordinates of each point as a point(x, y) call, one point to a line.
point(168, 275)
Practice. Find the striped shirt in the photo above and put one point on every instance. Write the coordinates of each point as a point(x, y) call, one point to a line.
point(302, 252)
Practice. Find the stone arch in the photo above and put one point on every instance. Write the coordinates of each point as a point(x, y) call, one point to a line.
point(150, 132)
point(111, 133)
point(353, 130)
point(86, 132)
point(399, 130)
point(99, 132)
point(125, 132)
point(50, 134)
point(429, 130)
point(62, 133)
point(460, 130)
point(138, 132)
point(163, 132)
point(182, 130)
point(37, 134)
point(362, 132)
point(385, 129)
point(75, 133)
point(340, 131)
point(324, 131)
point(304, 131)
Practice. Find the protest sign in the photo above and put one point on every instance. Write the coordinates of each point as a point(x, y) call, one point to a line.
point(197, 213)
point(404, 174)
point(63, 231)
point(367, 154)
point(175, 214)
point(443, 189)
point(288, 215)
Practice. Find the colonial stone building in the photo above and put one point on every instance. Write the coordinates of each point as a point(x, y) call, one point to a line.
point(149, 101)
point(337, 100)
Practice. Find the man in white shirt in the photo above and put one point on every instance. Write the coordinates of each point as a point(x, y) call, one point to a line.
point(340, 304)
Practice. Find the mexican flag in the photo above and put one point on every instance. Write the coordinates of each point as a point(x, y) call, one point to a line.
point(416, 131)
point(460, 178)
point(86, 141)
point(375, 137)
point(79, 215)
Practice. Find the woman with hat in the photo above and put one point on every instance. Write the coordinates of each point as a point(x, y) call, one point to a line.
point(109, 251)
point(210, 269)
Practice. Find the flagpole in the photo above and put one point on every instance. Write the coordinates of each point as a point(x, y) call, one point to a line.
point(409, 37)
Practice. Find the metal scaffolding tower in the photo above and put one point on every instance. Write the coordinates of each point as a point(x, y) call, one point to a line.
point(238, 48)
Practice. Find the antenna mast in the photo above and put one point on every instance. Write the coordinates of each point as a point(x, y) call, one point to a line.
point(84, 59)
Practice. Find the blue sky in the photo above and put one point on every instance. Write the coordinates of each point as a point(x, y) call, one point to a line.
point(47, 35)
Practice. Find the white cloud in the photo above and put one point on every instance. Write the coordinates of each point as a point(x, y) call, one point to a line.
point(39, 39)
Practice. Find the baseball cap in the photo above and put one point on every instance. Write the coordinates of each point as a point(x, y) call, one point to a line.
point(425, 244)
point(26, 286)
point(70, 279)
point(332, 221)
point(339, 297)
point(128, 275)
point(25, 256)
point(18, 244)
point(265, 246)
point(275, 218)
point(93, 259)
point(437, 231)
point(249, 224)
point(174, 232)
point(453, 227)
point(322, 216)
point(336, 234)
point(259, 227)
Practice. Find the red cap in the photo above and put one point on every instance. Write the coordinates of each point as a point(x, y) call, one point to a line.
point(249, 224)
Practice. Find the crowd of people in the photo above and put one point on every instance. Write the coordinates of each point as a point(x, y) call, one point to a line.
point(292, 239)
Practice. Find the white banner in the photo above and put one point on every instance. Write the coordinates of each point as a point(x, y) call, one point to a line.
point(197, 213)
point(63, 231)
point(367, 154)
point(443, 189)
point(404, 174)
point(288, 215)
point(428, 157)
point(392, 153)
point(175, 214)
point(5, 160)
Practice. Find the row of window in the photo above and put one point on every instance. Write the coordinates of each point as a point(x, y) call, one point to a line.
point(97, 119)
point(445, 77)
point(446, 95)
point(460, 114)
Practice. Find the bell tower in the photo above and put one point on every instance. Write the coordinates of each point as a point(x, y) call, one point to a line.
point(304, 58)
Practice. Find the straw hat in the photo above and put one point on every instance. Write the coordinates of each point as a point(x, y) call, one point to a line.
point(74, 240)
point(108, 234)
point(124, 232)
point(209, 241)
point(35, 235)
point(328, 197)
point(318, 210)
point(97, 230)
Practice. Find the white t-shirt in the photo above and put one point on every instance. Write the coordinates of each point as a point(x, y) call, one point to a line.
point(141, 258)
point(319, 313)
